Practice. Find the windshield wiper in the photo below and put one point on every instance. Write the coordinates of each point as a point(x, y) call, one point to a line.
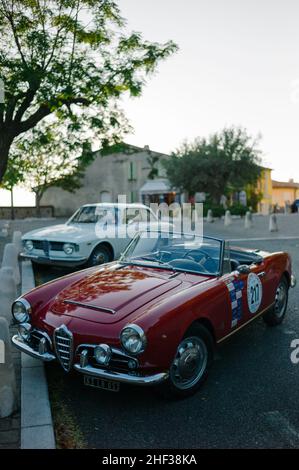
point(159, 262)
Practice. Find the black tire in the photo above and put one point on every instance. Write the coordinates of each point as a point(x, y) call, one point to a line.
point(100, 255)
point(201, 338)
point(277, 313)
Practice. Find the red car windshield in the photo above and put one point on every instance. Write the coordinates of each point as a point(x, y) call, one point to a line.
point(174, 251)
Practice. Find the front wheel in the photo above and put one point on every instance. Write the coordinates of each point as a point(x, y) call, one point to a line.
point(100, 255)
point(277, 313)
point(191, 364)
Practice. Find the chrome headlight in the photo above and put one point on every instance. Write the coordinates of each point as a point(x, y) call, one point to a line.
point(21, 310)
point(102, 354)
point(133, 339)
point(24, 331)
point(28, 244)
point(68, 248)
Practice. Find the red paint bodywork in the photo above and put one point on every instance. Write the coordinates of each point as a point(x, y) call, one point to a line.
point(163, 305)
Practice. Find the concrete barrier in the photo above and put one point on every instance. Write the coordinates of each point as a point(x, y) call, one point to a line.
point(8, 292)
point(210, 216)
point(273, 225)
point(227, 218)
point(8, 392)
point(10, 260)
point(248, 220)
point(17, 241)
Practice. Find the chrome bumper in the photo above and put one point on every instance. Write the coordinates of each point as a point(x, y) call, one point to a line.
point(53, 261)
point(93, 371)
point(122, 377)
point(25, 348)
point(293, 281)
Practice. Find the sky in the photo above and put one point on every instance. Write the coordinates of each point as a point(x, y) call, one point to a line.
point(238, 64)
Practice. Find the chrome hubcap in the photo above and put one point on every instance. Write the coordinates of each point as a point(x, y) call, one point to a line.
point(189, 363)
point(99, 258)
point(280, 300)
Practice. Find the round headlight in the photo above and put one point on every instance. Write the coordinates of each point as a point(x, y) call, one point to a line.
point(21, 310)
point(28, 245)
point(102, 354)
point(68, 248)
point(24, 331)
point(133, 339)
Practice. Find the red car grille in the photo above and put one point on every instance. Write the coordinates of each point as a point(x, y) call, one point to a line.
point(63, 342)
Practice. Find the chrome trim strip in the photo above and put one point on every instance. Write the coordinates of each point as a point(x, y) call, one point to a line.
point(44, 335)
point(293, 281)
point(121, 377)
point(92, 307)
point(25, 348)
point(242, 326)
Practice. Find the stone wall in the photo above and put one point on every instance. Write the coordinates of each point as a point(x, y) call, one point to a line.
point(26, 212)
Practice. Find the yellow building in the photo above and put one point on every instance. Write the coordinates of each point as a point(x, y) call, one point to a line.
point(264, 188)
point(284, 193)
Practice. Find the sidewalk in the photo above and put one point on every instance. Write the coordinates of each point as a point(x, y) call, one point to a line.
point(10, 428)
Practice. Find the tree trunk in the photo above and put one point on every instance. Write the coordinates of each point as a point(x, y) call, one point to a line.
point(38, 197)
point(5, 144)
point(12, 208)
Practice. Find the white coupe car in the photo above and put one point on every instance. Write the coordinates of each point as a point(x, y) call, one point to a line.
point(88, 237)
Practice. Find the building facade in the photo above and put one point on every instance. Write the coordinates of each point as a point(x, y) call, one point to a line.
point(265, 190)
point(122, 170)
point(284, 193)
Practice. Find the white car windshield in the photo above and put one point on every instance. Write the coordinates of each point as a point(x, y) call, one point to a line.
point(174, 251)
point(94, 214)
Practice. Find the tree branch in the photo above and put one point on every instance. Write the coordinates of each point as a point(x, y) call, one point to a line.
point(45, 110)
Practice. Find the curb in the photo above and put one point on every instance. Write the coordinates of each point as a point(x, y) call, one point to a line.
point(37, 430)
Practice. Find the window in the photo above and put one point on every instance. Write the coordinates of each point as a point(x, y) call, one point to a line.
point(132, 171)
point(132, 215)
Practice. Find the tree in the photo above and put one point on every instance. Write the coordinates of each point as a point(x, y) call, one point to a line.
point(68, 59)
point(14, 175)
point(50, 155)
point(153, 161)
point(225, 163)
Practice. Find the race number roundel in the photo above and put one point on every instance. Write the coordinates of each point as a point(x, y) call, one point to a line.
point(254, 292)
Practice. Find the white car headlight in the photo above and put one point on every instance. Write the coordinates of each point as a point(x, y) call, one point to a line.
point(133, 339)
point(21, 310)
point(28, 244)
point(68, 248)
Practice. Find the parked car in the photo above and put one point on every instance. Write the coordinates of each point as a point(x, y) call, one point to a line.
point(295, 206)
point(155, 316)
point(83, 240)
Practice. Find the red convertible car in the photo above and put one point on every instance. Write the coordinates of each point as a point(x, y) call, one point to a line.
point(154, 316)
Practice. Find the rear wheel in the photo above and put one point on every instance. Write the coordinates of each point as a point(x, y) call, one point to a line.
point(100, 255)
point(277, 313)
point(191, 364)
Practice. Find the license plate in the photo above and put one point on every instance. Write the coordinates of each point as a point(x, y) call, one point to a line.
point(103, 384)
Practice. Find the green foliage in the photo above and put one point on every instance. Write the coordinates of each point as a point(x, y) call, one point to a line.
point(71, 59)
point(238, 209)
point(224, 163)
point(153, 161)
point(217, 209)
point(49, 156)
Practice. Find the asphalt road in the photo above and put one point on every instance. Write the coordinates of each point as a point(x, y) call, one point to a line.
point(250, 399)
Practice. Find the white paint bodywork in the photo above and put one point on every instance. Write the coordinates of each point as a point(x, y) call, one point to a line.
point(84, 236)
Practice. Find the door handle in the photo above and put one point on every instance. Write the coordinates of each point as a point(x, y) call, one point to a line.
point(261, 274)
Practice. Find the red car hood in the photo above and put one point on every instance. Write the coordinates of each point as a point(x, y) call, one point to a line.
point(110, 295)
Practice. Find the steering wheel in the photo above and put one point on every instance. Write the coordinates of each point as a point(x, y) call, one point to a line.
point(204, 258)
